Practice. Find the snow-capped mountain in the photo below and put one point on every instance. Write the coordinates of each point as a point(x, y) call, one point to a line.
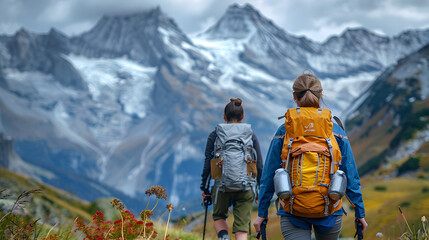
point(130, 103)
point(358, 55)
point(270, 48)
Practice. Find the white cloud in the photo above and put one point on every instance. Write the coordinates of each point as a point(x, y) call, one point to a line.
point(206, 24)
point(324, 30)
point(407, 13)
point(190, 6)
point(78, 27)
point(9, 27)
point(59, 11)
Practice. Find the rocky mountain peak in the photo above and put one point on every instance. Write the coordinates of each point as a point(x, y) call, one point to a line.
point(153, 16)
point(22, 32)
point(238, 22)
point(143, 36)
point(57, 41)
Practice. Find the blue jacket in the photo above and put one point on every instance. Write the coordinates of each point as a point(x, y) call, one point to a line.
point(273, 162)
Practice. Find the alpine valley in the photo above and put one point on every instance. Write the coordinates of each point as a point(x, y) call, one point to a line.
point(130, 103)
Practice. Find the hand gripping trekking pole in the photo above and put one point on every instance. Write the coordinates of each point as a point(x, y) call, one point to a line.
point(263, 231)
point(359, 227)
point(206, 202)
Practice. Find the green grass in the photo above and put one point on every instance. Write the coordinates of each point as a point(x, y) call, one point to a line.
point(176, 232)
point(381, 207)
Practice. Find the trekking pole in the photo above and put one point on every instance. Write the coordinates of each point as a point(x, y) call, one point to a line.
point(359, 227)
point(250, 229)
point(207, 201)
point(263, 231)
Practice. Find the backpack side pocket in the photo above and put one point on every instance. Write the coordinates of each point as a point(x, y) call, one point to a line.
point(216, 167)
point(251, 168)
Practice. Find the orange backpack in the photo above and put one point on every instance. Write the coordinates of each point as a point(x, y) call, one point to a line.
point(311, 155)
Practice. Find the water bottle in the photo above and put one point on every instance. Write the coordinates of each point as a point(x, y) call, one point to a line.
point(282, 184)
point(338, 185)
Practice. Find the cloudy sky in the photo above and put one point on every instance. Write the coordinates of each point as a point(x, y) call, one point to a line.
point(316, 19)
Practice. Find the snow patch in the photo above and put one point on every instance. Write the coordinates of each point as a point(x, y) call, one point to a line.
point(339, 93)
point(117, 79)
point(411, 147)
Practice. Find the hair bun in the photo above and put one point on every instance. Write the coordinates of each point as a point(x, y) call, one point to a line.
point(237, 101)
point(307, 72)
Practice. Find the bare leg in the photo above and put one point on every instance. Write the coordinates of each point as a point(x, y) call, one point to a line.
point(241, 236)
point(220, 225)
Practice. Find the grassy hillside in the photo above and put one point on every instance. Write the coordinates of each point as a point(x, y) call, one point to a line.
point(382, 198)
point(53, 205)
point(385, 131)
point(60, 212)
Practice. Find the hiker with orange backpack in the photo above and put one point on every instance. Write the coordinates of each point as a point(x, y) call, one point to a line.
point(233, 159)
point(310, 166)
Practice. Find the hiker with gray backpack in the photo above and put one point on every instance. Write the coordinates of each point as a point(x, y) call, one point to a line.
point(233, 159)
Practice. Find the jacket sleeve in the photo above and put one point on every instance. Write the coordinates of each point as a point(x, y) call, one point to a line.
point(205, 176)
point(272, 163)
point(259, 160)
point(348, 165)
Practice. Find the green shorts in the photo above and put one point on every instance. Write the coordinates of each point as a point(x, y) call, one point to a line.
point(241, 207)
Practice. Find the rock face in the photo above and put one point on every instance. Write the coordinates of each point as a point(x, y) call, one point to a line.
point(6, 150)
point(130, 103)
point(26, 52)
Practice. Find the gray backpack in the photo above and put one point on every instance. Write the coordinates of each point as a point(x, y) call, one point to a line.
point(236, 157)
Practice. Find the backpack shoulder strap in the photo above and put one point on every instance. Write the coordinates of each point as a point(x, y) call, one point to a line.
point(339, 122)
point(341, 126)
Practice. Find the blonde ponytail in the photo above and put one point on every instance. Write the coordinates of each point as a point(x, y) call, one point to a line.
point(308, 90)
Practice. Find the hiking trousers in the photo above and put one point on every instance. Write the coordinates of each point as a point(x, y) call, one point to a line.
point(290, 231)
point(241, 207)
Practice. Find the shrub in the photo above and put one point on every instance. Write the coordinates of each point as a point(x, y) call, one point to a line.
point(411, 164)
point(127, 227)
point(425, 189)
point(14, 226)
point(380, 188)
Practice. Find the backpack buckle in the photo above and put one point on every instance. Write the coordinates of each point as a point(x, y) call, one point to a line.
point(289, 145)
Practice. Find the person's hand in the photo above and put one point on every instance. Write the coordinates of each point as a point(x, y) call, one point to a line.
point(205, 195)
point(257, 223)
point(364, 224)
